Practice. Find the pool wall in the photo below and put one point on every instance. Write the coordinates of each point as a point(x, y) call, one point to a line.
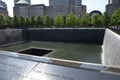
point(111, 43)
point(91, 36)
point(10, 36)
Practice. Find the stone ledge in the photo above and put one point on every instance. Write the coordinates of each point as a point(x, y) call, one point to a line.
point(66, 63)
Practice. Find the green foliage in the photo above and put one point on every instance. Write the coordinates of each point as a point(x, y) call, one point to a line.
point(97, 20)
point(32, 21)
point(64, 20)
point(106, 19)
point(86, 20)
point(116, 18)
point(27, 22)
point(59, 21)
point(2, 20)
point(72, 20)
point(22, 22)
point(8, 21)
point(39, 21)
point(16, 21)
point(47, 21)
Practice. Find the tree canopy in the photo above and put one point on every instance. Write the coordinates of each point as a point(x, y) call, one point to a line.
point(86, 20)
point(70, 20)
point(59, 21)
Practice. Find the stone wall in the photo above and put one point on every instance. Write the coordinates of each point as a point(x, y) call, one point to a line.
point(10, 36)
point(92, 36)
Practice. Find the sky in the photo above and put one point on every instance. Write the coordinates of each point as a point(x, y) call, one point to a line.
point(91, 4)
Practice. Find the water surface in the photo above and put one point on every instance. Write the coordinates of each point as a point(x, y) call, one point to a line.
point(70, 51)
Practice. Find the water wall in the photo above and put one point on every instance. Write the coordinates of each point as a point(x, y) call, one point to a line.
point(111, 49)
point(92, 36)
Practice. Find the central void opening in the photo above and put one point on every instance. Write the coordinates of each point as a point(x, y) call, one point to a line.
point(35, 51)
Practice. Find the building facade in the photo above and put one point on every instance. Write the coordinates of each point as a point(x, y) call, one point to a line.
point(22, 8)
point(38, 10)
point(61, 7)
point(58, 2)
point(64, 7)
point(112, 6)
point(78, 8)
point(58, 7)
point(3, 8)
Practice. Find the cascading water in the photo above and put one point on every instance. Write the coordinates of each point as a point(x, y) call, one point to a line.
point(111, 49)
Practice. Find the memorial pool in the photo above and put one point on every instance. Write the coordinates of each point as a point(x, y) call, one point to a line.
point(69, 51)
point(62, 56)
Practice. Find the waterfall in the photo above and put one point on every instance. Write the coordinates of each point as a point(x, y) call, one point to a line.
point(111, 49)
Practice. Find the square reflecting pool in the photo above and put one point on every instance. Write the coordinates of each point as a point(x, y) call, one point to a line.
point(69, 51)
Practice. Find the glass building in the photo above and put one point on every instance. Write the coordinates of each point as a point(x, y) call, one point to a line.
point(62, 7)
point(112, 6)
point(78, 2)
point(58, 2)
point(22, 8)
point(113, 1)
point(3, 8)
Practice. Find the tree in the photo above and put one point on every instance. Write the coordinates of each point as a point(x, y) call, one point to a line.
point(8, 21)
point(16, 21)
point(27, 22)
point(116, 18)
point(97, 20)
point(2, 20)
point(32, 21)
point(106, 19)
point(22, 22)
point(85, 20)
point(72, 20)
point(64, 20)
point(47, 21)
point(59, 21)
point(39, 21)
